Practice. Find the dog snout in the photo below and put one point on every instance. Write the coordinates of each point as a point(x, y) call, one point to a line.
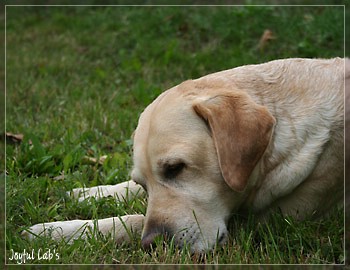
point(149, 237)
point(148, 240)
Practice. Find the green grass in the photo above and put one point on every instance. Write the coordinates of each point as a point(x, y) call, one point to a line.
point(77, 80)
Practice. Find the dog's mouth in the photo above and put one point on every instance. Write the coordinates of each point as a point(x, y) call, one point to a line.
point(194, 239)
point(190, 238)
point(222, 239)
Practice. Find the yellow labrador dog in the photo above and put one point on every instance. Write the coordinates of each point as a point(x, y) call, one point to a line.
point(256, 137)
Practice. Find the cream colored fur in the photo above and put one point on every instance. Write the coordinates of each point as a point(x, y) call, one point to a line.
point(252, 138)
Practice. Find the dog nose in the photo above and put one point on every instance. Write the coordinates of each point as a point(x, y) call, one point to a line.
point(148, 240)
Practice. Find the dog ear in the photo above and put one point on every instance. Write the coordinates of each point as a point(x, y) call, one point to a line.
point(241, 130)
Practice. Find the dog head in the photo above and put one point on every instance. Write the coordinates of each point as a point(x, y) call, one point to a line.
point(195, 149)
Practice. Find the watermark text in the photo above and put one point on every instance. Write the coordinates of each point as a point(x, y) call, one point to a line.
point(27, 256)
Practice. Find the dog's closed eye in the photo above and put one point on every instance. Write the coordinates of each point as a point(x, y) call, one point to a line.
point(173, 170)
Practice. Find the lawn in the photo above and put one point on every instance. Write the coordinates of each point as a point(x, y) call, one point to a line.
point(77, 78)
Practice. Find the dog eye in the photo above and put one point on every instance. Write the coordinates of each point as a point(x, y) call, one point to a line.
point(173, 170)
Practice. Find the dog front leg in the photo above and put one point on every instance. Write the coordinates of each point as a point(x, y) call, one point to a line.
point(120, 228)
point(123, 191)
